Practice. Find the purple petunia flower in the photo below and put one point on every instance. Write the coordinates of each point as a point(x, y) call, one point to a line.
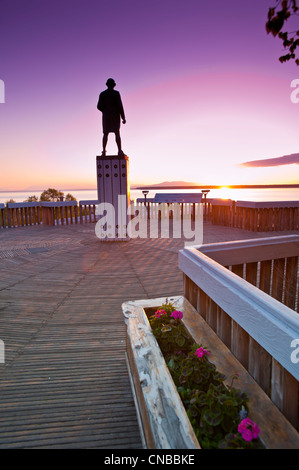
point(248, 429)
point(200, 352)
point(177, 314)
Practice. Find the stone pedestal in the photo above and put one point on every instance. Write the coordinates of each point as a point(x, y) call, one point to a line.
point(114, 191)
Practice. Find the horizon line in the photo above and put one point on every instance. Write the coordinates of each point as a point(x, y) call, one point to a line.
point(28, 190)
point(188, 186)
point(233, 186)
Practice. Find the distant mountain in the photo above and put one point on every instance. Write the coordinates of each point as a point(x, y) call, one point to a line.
point(169, 184)
point(176, 183)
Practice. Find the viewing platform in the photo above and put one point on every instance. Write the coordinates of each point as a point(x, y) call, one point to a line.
point(65, 382)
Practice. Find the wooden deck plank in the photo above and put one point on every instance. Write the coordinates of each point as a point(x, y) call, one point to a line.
point(65, 382)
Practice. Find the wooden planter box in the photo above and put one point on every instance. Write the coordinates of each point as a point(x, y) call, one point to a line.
point(163, 421)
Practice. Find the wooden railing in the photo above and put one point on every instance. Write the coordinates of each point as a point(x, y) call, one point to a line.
point(256, 216)
point(247, 292)
point(247, 215)
point(253, 216)
point(20, 214)
point(2, 216)
point(220, 211)
point(62, 212)
point(155, 210)
point(266, 216)
point(87, 211)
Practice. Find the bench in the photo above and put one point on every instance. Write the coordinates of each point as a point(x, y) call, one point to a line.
point(191, 198)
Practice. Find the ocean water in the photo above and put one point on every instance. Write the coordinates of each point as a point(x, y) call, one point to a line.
point(264, 194)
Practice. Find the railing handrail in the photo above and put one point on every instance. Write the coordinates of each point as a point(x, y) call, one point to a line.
point(58, 203)
point(266, 204)
point(252, 250)
point(272, 324)
point(220, 202)
point(89, 202)
point(16, 205)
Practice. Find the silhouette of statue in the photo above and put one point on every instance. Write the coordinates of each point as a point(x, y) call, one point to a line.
point(111, 106)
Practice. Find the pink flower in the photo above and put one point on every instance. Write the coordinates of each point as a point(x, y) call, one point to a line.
point(247, 435)
point(200, 352)
point(255, 431)
point(158, 313)
point(242, 426)
point(248, 429)
point(177, 314)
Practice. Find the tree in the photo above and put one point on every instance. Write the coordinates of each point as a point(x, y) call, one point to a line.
point(277, 17)
point(70, 197)
point(51, 194)
point(31, 199)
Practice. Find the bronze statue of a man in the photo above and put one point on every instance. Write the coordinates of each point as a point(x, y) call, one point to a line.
point(111, 106)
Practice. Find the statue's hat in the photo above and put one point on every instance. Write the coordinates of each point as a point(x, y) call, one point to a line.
point(110, 82)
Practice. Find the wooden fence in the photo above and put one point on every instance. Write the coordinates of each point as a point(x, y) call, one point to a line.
point(156, 210)
point(266, 216)
point(253, 216)
point(20, 214)
point(247, 215)
point(247, 292)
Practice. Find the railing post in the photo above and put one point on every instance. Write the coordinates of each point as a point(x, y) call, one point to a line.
point(2, 216)
point(284, 392)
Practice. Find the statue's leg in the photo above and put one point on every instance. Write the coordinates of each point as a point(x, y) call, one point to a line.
point(118, 141)
point(105, 140)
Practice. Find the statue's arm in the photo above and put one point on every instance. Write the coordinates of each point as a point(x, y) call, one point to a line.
point(121, 110)
point(100, 104)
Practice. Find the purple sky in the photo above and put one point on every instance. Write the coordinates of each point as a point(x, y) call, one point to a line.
point(201, 84)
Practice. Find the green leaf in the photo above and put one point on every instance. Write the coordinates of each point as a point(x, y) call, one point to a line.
point(213, 418)
point(180, 341)
point(187, 371)
point(229, 402)
point(176, 332)
point(193, 411)
point(171, 363)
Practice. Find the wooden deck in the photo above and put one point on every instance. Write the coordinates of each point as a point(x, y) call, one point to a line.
point(65, 381)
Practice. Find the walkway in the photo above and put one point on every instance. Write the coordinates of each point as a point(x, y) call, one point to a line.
point(65, 381)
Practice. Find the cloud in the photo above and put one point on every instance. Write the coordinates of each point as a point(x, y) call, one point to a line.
point(292, 159)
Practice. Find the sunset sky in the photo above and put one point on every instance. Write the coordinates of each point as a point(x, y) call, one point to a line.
point(201, 84)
